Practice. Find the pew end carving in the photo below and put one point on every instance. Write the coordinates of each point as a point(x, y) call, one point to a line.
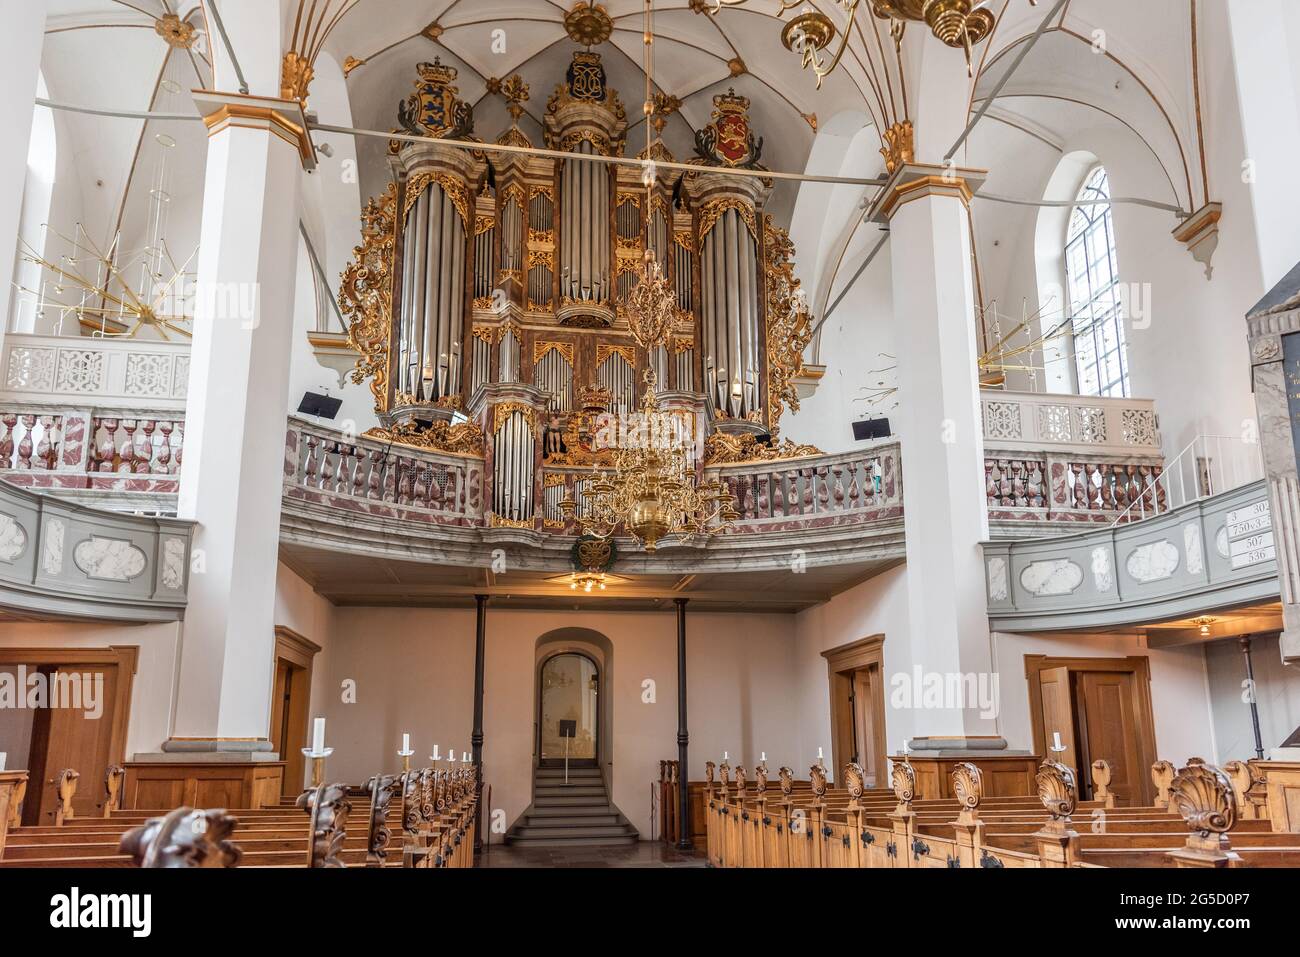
point(1204, 796)
point(184, 837)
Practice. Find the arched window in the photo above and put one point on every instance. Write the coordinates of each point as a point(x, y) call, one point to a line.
point(38, 193)
point(1092, 281)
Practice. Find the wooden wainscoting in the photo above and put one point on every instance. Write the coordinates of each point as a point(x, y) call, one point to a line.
point(857, 694)
point(174, 784)
point(1282, 779)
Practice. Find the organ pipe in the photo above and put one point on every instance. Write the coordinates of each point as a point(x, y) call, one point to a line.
point(732, 337)
point(433, 299)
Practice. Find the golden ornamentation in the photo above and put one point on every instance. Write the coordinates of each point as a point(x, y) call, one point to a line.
point(736, 67)
point(563, 348)
point(350, 64)
point(178, 34)
point(651, 306)
point(488, 334)
point(713, 210)
point(652, 492)
point(456, 191)
point(483, 223)
point(722, 448)
point(1203, 795)
point(482, 302)
point(789, 326)
point(553, 479)
point(312, 26)
point(728, 140)
point(366, 294)
point(501, 414)
point(296, 74)
point(433, 108)
point(604, 350)
point(684, 240)
point(588, 24)
point(432, 32)
point(597, 139)
point(500, 522)
point(513, 193)
point(463, 438)
point(899, 148)
point(541, 257)
point(809, 30)
point(680, 345)
point(1057, 790)
point(514, 137)
point(957, 23)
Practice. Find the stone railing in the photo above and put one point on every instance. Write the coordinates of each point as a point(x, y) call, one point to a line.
point(58, 558)
point(99, 450)
point(128, 375)
point(857, 486)
point(390, 481)
point(1069, 458)
point(1217, 552)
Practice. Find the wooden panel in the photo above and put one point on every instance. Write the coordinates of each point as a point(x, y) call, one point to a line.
point(1282, 779)
point(1110, 726)
point(153, 794)
point(9, 781)
point(219, 792)
point(1058, 714)
point(151, 787)
point(1010, 775)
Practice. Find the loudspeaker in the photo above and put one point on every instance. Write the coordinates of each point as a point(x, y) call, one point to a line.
point(871, 429)
point(322, 406)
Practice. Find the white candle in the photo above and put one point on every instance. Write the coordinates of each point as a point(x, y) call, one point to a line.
point(1056, 741)
point(724, 755)
point(3, 757)
point(764, 757)
point(464, 757)
point(318, 736)
point(435, 756)
point(819, 754)
point(406, 742)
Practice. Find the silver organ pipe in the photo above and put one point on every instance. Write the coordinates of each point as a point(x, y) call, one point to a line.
point(619, 378)
point(433, 302)
point(730, 298)
point(513, 451)
point(481, 364)
point(509, 356)
point(682, 277)
point(552, 495)
point(659, 362)
point(484, 254)
point(585, 265)
point(554, 376)
point(686, 370)
point(512, 236)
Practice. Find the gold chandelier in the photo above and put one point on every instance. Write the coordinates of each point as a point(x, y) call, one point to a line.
point(652, 491)
point(651, 306)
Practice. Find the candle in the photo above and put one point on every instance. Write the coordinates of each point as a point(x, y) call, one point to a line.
point(406, 743)
point(764, 757)
point(464, 758)
point(819, 754)
point(435, 756)
point(724, 755)
point(318, 736)
point(1056, 741)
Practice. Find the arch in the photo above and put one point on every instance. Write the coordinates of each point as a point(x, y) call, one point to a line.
point(597, 648)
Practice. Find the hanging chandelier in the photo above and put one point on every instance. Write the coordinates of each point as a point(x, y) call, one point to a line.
point(651, 306)
point(652, 491)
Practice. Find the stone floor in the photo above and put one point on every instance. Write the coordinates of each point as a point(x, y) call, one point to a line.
point(644, 854)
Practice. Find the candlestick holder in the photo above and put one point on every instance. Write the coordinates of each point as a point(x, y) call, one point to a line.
point(317, 764)
point(406, 759)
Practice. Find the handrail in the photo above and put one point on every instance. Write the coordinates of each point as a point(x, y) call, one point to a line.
point(1205, 482)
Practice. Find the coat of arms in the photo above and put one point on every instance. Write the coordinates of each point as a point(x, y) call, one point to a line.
point(586, 77)
point(434, 109)
point(729, 140)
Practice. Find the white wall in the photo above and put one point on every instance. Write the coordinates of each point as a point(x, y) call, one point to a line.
point(1277, 694)
point(414, 672)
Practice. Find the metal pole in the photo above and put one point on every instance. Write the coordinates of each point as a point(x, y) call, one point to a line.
point(476, 738)
point(684, 841)
point(1254, 706)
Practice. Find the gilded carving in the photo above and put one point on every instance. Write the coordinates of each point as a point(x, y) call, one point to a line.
point(789, 326)
point(366, 294)
point(604, 350)
point(463, 438)
point(1057, 790)
point(456, 191)
point(563, 348)
point(501, 415)
point(713, 210)
point(721, 448)
point(1204, 797)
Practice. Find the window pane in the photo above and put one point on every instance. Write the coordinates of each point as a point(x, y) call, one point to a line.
point(1092, 274)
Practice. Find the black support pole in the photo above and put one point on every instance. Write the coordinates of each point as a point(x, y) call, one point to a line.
point(1254, 706)
point(684, 841)
point(476, 738)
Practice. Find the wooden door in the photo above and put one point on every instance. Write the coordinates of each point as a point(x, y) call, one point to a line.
point(864, 727)
point(289, 705)
point(1110, 730)
point(72, 737)
point(1058, 715)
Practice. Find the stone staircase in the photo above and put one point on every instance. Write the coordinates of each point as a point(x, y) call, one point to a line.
point(577, 813)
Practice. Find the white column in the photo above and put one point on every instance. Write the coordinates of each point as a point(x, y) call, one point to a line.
point(1264, 37)
point(22, 37)
point(231, 482)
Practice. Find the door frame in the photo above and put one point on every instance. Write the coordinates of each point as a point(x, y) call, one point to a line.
point(537, 711)
point(865, 653)
point(298, 652)
point(1139, 666)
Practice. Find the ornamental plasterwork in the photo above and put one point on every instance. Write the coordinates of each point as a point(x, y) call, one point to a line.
point(31, 369)
point(1002, 420)
point(80, 370)
point(713, 211)
point(1139, 427)
point(1090, 424)
point(456, 191)
point(1054, 423)
point(789, 326)
point(109, 559)
point(721, 448)
point(13, 538)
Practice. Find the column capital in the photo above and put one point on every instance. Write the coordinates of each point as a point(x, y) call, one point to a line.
point(917, 180)
point(283, 118)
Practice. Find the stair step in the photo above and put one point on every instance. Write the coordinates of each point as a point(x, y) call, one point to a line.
point(569, 790)
point(535, 821)
point(573, 841)
point(601, 801)
point(573, 810)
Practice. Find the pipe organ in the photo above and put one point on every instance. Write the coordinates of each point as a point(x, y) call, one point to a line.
point(487, 297)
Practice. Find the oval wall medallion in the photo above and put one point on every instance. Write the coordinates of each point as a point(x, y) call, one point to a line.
point(1060, 576)
point(109, 559)
point(1152, 563)
point(13, 538)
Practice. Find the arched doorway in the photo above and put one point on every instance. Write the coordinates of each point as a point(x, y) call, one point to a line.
point(568, 710)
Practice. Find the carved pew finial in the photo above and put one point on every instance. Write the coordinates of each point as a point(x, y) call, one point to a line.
point(817, 775)
point(65, 786)
point(1162, 776)
point(1204, 796)
point(740, 783)
point(968, 788)
point(1248, 787)
point(786, 777)
point(1057, 841)
point(760, 780)
point(382, 787)
point(114, 778)
point(184, 838)
point(1101, 775)
point(902, 778)
point(328, 806)
point(16, 804)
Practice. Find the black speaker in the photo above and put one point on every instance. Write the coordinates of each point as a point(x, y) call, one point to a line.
point(322, 406)
point(871, 429)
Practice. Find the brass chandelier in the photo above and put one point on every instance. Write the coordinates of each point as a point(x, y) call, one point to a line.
point(652, 491)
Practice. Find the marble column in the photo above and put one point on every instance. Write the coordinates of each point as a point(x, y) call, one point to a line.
point(238, 396)
point(21, 42)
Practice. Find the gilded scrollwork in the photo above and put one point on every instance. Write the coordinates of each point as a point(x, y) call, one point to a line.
point(463, 438)
point(722, 448)
point(713, 211)
point(789, 325)
point(366, 294)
